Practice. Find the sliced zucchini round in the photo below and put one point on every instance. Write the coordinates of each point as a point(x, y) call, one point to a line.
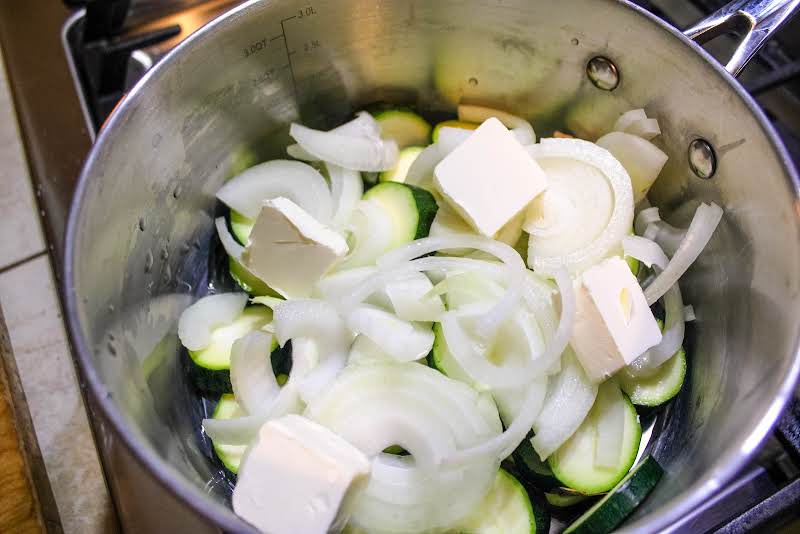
point(658, 388)
point(621, 501)
point(399, 172)
point(229, 455)
point(241, 227)
point(564, 500)
point(452, 124)
point(532, 468)
point(506, 509)
point(412, 210)
point(211, 366)
point(405, 127)
point(575, 464)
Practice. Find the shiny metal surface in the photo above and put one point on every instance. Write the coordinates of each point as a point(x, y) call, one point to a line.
point(754, 20)
point(602, 73)
point(218, 101)
point(702, 159)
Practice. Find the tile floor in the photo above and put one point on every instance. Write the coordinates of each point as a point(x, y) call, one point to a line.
point(31, 308)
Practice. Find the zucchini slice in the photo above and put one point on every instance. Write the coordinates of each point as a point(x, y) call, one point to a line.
point(405, 127)
point(621, 501)
point(506, 509)
point(532, 469)
point(244, 279)
point(564, 499)
point(241, 227)
point(575, 463)
point(452, 124)
point(665, 382)
point(211, 369)
point(412, 210)
point(229, 455)
point(399, 172)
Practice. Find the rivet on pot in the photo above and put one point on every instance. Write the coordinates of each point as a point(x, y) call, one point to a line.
point(702, 159)
point(603, 73)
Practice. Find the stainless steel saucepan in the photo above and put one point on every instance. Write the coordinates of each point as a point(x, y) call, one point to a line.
point(139, 236)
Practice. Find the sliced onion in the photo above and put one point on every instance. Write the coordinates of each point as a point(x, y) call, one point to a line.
point(628, 118)
point(671, 340)
point(666, 235)
point(231, 246)
point(297, 181)
point(371, 228)
point(511, 402)
point(447, 223)
point(705, 221)
point(609, 420)
point(569, 398)
point(309, 318)
point(420, 173)
point(364, 125)
point(646, 129)
point(644, 218)
point(411, 298)
point(522, 129)
point(372, 405)
point(404, 341)
point(346, 190)
point(364, 350)
point(322, 373)
point(642, 159)
point(450, 138)
point(644, 250)
point(688, 313)
point(252, 378)
point(420, 247)
point(201, 318)
point(356, 153)
point(619, 223)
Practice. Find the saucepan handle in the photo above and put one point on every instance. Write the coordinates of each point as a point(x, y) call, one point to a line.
point(754, 21)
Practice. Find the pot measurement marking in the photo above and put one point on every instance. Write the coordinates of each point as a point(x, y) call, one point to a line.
point(308, 46)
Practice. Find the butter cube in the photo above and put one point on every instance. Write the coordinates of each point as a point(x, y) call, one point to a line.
point(290, 250)
point(297, 477)
point(613, 323)
point(489, 178)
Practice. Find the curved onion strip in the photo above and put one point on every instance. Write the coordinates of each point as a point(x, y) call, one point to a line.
point(671, 340)
point(322, 374)
point(511, 402)
point(404, 341)
point(522, 129)
point(667, 236)
point(644, 250)
point(364, 125)
point(644, 218)
point(570, 397)
point(619, 223)
point(309, 318)
point(370, 228)
point(642, 159)
point(450, 138)
point(252, 378)
point(231, 246)
point(628, 118)
point(346, 190)
point(356, 153)
point(420, 247)
point(420, 173)
point(646, 129)
point(198, 320)
point(704, 222)
point(299, 182)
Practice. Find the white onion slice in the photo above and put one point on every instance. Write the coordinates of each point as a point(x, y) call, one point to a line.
point(404, 341)
point(420, 173)
point(364, 350)
point(522, 129)
point(628, 118)
point(644, 250)
point(252, 378)
point(569, 398)
point(619, 223)
point(644, 218)
point(297, 181)
point(420, 247)
point(231, 246)
point(371, 229)
point(646, 129)
point(364, 125)
point(323, 373)
point(705, 221)
point(511, 402)
point(450, 138)
point(411, 299)
point(609, 421)
point(356, 153)
point(201, 318)
point(346, 190)
point(309, 318)
point(688, 313)
point(642, 159)
point(671, 340)
point(666, 235)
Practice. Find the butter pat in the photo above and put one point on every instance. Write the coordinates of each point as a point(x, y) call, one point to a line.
point(489, 178)
point(289, 249)
point(298, 477)
point(613, 323)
